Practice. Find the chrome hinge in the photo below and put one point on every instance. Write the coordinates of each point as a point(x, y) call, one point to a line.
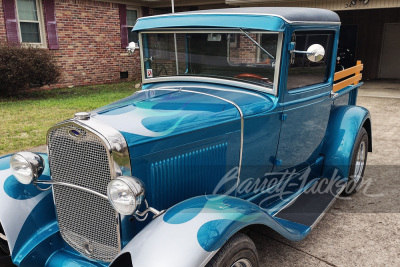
point(283, 117)
point(334, 95)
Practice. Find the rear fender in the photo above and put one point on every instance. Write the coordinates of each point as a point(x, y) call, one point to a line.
point(344, 124)
point(24, 211)
point(191, 232)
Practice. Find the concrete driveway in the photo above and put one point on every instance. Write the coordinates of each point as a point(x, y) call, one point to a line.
point(364, 230)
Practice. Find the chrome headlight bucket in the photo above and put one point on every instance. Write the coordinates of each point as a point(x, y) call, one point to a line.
point(125, 194)
point(26, 166)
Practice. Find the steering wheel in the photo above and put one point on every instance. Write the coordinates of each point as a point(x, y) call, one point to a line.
point(253, 76)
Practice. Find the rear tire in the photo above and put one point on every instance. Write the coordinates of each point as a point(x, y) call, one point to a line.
point(238, 251)
point(358, 162)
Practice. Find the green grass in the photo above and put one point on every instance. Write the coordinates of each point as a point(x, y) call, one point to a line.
point(26, 119)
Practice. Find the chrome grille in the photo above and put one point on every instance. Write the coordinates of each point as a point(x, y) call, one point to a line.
point(87, 222)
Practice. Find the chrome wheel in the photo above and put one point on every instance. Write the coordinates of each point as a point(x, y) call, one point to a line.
point(360, 162)
point(242, 263)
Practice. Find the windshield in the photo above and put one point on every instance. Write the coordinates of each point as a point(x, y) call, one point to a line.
point(240, 56)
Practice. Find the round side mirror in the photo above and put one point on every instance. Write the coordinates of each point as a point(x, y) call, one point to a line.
point(315, 53)
point(131, 47)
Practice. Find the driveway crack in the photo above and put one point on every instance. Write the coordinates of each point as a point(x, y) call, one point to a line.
point(299, 250)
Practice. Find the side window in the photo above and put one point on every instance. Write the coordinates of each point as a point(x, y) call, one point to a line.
point(303, 72)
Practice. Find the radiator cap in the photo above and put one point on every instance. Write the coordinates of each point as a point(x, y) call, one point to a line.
point(82, 116)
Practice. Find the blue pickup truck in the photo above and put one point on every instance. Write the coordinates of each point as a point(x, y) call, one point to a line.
point(241, 122)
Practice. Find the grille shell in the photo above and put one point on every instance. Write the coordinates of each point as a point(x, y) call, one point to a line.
point(87, 222)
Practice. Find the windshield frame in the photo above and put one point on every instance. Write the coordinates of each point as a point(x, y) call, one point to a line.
point(206, 79)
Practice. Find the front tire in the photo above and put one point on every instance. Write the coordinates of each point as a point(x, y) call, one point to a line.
point(4, 250)
point(5, 257)
point(358, 162)
point(238, 251)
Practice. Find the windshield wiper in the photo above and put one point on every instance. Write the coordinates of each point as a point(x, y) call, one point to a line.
point(256, 43)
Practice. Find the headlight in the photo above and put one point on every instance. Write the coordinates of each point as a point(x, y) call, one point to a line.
point(125, 194)
point(26, 166)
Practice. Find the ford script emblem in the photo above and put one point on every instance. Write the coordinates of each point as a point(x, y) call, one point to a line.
point(74, 133)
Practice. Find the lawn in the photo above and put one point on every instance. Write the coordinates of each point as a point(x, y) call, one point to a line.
point(26, 119)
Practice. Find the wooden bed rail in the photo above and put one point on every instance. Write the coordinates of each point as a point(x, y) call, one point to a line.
point(356, 71)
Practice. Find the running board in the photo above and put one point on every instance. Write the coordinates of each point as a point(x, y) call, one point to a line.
point(312, 205)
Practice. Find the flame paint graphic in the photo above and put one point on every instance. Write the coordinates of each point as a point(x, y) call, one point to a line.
point(136, 114)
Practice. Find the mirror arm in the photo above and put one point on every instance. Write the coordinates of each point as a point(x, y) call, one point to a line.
point(302, 52)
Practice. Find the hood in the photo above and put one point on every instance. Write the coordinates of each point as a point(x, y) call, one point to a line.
point(155, 113)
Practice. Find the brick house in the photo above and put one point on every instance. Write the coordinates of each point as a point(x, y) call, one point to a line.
point(88, 38)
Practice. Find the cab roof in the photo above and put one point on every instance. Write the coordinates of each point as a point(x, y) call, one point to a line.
point(263, 18)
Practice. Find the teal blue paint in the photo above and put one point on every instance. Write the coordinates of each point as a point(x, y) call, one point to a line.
point(40, 223)
point(16, 190)
point(5, 162)
point(175, 215)
point(259, 22)
point(212, 235)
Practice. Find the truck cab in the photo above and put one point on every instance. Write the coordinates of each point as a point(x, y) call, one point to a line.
point(241, 121)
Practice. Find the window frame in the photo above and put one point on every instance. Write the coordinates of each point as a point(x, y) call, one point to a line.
point(279, 55)
point(139, 15)
point(40, 21)
point(327, 59)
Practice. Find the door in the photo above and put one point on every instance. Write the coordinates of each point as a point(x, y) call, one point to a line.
point(390, 57)
point(307, 106)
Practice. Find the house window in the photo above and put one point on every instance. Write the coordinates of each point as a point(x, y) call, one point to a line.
point(131, 17)
point(30, 21)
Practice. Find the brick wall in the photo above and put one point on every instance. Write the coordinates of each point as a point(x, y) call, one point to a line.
point(3, 34)
point(90, 43)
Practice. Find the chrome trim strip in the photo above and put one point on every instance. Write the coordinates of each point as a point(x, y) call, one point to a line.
point(228, 101)
point(211, 80)
point(328, 207)
point(248, 14)
point(278, 62)
point(117, 146)
point(241, 91)
point(73, 186)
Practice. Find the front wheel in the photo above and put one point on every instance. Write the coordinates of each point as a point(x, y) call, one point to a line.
point(239, 251)
point(358, 162)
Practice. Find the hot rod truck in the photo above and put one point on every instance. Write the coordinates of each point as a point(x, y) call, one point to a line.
point(241, 122)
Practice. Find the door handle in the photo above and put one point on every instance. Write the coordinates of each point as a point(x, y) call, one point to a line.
point(334, 95)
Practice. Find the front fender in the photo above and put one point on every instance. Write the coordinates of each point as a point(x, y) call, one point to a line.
point(191, 232)
point(24, 210)
point(343, 127)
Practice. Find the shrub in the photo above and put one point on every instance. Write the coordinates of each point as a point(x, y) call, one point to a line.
point(23, 67)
